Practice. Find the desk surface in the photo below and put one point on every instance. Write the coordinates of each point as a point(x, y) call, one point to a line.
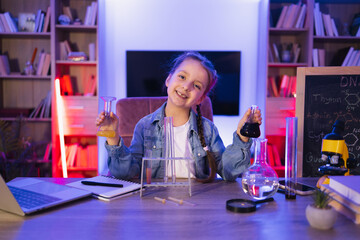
point(133, 217)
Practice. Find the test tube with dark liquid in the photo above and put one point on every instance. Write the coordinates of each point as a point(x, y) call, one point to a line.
point(251, 128)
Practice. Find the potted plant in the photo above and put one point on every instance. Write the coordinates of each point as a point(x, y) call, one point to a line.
point(320, 214)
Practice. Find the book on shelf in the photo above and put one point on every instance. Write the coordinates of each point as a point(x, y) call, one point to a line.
point(321, 57)
point(335, 30)
point(91, 14)
point(315, 57)
point(276, 52)
point(348, 56)
point(301, 18)
point(347, 186)
point(40, 63)
point(47, 153)
point(343, 204)
point(66, 85)
point(284, 84)
point(291, 15)
point(274, 87)
point(281, 19)
point(107, 193)
point(4, 23)
point(90, 86)
point(47, 20)
point(10, 21)
point(42, 110)
point(4, 65)
point(318, 21)
point(92, 154)
point(46, 65)
point(327, 24)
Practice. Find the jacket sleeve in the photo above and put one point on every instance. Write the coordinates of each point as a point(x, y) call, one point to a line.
point(124, 162)
point(236, 158)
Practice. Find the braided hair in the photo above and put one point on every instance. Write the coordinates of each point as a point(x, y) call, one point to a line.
point(209, 155)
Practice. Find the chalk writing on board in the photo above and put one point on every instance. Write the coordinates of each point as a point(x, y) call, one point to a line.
point(329, 98)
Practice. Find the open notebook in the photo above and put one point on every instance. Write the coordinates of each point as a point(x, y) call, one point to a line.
point(107, 193)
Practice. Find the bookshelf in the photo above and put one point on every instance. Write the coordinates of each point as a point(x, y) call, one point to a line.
point(21, 94)
point(278, 108)
point(80, 109)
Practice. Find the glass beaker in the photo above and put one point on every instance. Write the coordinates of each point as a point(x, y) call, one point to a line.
point(251, 128)
point(106, 129)
point(260, 181)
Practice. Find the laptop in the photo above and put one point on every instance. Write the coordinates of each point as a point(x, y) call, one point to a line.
point(30, 195)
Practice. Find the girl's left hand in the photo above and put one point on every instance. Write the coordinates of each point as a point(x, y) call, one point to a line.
point(257, 118)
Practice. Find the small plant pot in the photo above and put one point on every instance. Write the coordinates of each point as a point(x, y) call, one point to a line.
point(321, 218)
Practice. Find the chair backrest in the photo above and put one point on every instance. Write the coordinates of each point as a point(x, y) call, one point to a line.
point(131, 110)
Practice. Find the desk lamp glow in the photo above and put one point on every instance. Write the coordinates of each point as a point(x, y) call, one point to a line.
point(59, 104)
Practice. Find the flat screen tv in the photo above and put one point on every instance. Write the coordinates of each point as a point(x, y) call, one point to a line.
point(146, 72)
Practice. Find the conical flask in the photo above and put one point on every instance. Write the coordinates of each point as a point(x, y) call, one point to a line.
point(251, 128)
point(260, 181)
point(106, 129)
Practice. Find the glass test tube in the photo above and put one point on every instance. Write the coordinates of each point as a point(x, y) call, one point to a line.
point(169, 149)
point(291, 157)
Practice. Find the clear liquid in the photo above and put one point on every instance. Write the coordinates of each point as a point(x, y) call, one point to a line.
point(106, 133)
point(260, 188)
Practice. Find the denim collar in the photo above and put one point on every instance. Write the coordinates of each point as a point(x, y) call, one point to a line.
point(159, 114)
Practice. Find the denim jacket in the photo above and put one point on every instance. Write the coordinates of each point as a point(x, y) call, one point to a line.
point(125, 163)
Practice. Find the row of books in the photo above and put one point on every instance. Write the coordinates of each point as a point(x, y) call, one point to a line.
point(345, 194)
point(80, 156)
point(43, 65)
point(26, 22)
point(285, 52)
point(43, 109)
point(282, 86)
point(68, 88)
point(324, 24)
point(4, 65)
point(292, 16)
point(352, 57)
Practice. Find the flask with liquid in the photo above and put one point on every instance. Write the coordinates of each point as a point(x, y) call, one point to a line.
point(251, 128)
point(106, 129)
point(260, 181)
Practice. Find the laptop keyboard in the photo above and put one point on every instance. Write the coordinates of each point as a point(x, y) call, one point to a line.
point(28, 199)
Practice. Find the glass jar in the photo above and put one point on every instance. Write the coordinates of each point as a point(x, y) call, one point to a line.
point(260, 181)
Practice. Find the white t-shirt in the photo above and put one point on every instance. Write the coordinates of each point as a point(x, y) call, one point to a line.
point(182, 148)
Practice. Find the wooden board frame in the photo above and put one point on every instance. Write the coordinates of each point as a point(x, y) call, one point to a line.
point(302, 73)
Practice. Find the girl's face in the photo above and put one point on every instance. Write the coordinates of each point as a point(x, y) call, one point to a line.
point(186, 86)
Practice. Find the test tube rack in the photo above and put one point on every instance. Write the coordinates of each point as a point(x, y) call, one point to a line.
point(167, 182)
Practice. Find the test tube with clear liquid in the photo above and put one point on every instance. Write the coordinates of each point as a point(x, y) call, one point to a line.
point(106, 129)
point(169, 149)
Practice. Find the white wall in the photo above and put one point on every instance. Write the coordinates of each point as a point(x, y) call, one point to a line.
point(238, 25)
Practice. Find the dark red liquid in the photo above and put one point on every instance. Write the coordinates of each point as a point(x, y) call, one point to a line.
point(251, 130)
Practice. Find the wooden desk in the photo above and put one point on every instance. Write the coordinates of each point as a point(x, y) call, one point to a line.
point(133, 217)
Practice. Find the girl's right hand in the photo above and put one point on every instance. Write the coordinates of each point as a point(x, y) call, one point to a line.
point(113, 124)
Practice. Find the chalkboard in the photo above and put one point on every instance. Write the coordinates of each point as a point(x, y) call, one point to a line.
point(325, 95)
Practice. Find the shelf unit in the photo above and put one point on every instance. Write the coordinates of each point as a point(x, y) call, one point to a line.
point(80, 111)
point(278, 108)
point(20, 94)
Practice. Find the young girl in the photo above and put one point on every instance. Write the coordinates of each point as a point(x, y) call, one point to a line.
point(190, 79)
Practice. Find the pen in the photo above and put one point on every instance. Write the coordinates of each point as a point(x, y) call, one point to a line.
point(101, 184)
